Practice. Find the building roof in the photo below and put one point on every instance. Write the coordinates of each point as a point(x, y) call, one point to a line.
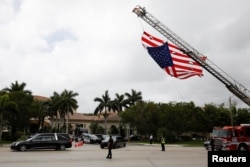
point(84, 117)
point(40, 98)
point(112, 116)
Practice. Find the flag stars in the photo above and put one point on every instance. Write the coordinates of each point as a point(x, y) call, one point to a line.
point(161, 55)
point(171, 58)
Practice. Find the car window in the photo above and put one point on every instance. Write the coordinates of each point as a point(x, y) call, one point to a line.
point(64, 135)
point(106, 139)
point(114, 138)
point(37, 139)
point(29, 139)
point(104, 136)
point(93, 136)
point(118, 138)
point(47, 138)
point(60, 137)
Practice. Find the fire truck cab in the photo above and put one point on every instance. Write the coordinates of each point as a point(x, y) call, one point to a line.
point(235, 138)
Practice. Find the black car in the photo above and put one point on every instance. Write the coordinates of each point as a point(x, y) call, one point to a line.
point(207, 144)
point(135, 138)
point(101, 136)
point(118, 141)
point(57, 141)
point(90, 138)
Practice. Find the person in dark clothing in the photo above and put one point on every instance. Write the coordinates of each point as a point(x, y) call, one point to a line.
point(151, 139)
point(110, 145)
point(212, 143)
point(162, 144)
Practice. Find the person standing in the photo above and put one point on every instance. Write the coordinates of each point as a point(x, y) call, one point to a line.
point(151, 139)
point(110, 145)
point(162, 143)
point(212, 143)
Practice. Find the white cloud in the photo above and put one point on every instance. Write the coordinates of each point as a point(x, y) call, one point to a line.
point(91, 46)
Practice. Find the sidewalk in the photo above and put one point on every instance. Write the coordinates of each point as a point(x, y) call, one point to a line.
point(5, 145)
point(156, 144)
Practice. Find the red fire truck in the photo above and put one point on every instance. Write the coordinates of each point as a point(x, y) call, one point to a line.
point(216, 135)
point(232, 138)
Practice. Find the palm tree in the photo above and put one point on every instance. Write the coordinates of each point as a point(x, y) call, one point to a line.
point(67, 104)
point(104, 104)
point(40, 110)
point(14, 87)
point(118, 103)
point(5, 105)
point(53, 107)
point(133, 97)
point(24, 99)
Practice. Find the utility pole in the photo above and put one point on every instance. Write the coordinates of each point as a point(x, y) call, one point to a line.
point(67, 123)
point(231, 112)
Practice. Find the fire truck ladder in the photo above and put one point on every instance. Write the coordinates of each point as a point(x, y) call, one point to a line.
point(236, 88)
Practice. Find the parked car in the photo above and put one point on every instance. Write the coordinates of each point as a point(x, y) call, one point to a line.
point(57, 141)
point(217, 144)
point(207, 144)
point(135, 138)
point(90, 138)
point(79, 131)
point(101, 136)
point(118, 141)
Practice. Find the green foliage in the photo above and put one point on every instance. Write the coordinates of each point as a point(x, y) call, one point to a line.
point(172, 119)
point(19, 117)
point(242, 116)
point(100, 130)
point(179, 118)
point(22, 107)
point(190, 143)
point(106, 104)
point(10, 137)
point(186, 138)
point(94, 127)
point(114, 130)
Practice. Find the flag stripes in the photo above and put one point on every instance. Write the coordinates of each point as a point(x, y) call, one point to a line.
point(183, 65)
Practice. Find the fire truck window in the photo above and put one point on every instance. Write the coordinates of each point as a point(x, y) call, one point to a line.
point(241, 133)
point(247, 132)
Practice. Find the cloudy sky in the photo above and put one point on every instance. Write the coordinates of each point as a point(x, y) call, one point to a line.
point(89, 46)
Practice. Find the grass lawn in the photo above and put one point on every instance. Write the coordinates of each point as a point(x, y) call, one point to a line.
point(2, 142)
point(191, 143)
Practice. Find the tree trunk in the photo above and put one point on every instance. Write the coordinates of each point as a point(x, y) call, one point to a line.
point(1, 128)
point(105, 121)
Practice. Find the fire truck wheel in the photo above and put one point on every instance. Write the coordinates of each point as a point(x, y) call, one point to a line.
point(242, 147)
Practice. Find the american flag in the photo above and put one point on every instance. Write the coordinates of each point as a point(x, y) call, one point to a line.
point(170, 58)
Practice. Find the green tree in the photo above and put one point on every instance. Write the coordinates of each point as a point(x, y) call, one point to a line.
point(39, 110)
point(143, 116)
point(67, 105)
point(6, 105)
point(15, 87)
point(119, 103)
point(211, 113)
point(243, 116)
point(104, 105)
point(133, 97)
point(53, 110)
point(24, 99)
point(94, 127)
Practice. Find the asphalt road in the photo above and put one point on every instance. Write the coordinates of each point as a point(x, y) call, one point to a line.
point(88, 155)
